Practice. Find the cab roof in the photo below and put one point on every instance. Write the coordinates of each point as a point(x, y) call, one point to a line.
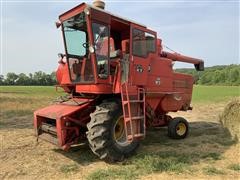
point(74, 11)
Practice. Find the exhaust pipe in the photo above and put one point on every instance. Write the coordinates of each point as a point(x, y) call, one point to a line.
point(99, 4)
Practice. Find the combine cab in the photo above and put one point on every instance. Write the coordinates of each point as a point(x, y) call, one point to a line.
point(119, 82)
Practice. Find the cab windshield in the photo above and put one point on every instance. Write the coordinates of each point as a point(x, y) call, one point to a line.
point(76, 41)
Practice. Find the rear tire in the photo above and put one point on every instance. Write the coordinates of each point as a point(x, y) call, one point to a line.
point(178, 128)
point(103, 129)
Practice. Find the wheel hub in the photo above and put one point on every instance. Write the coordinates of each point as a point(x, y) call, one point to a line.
point(181, 129)
point(119, 128)
point(119, 132)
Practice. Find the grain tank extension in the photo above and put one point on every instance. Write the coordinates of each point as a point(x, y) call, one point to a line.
point(119, 81)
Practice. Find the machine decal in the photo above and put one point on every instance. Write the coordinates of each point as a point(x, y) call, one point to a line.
point(177, 97)
point(158, 81)
point(149, 68)
point(139, 68)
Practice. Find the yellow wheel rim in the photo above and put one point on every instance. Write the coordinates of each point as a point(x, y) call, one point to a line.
point(181, 129)
point(119, 129)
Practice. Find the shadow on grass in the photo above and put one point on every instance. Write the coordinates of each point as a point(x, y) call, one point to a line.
point(81, 154)
point(207, 141)
point(200, 133)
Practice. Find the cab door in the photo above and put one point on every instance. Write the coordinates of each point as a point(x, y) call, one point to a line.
point(143, 46)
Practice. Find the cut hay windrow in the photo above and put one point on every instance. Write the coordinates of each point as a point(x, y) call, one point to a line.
point(230, 118)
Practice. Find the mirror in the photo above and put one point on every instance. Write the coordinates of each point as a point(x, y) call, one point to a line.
point(61, 58)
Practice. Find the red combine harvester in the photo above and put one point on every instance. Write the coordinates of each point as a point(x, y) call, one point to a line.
point(119, 82)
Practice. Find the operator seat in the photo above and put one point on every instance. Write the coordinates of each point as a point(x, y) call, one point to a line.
point(113, 52)
point(125, 46)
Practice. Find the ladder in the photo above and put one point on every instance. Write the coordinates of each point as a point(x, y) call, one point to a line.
point(133, 105)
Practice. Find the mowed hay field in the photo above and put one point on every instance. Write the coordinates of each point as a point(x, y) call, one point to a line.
point(209, 152)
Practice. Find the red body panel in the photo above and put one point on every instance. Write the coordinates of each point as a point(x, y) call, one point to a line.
point(66, 118)
point(164, 90)
point(57, 111)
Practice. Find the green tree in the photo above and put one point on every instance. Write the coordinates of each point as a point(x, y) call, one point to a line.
point(39, 78)
point(1, 79)
point(11, 78)
point(234, 75)
point(23, 79)
point(218, 77)
point(53, 78)
point(206, 78)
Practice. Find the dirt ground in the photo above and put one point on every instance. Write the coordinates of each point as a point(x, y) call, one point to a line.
point(23, 158)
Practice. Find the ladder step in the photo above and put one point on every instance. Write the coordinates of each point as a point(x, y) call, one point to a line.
point(129, 137)
point(134, 118)
point(133, 112)
point(133, 101)
point(138, 135)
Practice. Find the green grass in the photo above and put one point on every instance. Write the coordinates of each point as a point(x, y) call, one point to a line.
point(214, 93)
point(16, 113)
point(235, 167)
point(29, 91)
point(200, 93)
point(114, 173)
point(145, 163)
point(17, 104)
point(69, 168)
point(17, 101)
point(212, 155)
point(212, 171)
point(154, 162)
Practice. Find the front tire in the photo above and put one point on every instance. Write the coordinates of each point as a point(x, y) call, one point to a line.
point(106, 133)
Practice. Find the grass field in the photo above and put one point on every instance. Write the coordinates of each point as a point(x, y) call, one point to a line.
point(214, 93)
point(207, 153)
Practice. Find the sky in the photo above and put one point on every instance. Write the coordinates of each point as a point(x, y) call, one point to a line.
point(208, 30)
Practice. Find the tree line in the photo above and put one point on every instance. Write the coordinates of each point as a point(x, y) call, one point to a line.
point(32, 79)
point(228, 75)
point(217, 75)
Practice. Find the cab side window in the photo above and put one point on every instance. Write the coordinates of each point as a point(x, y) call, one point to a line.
point(143, 43)
point(150, 42)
